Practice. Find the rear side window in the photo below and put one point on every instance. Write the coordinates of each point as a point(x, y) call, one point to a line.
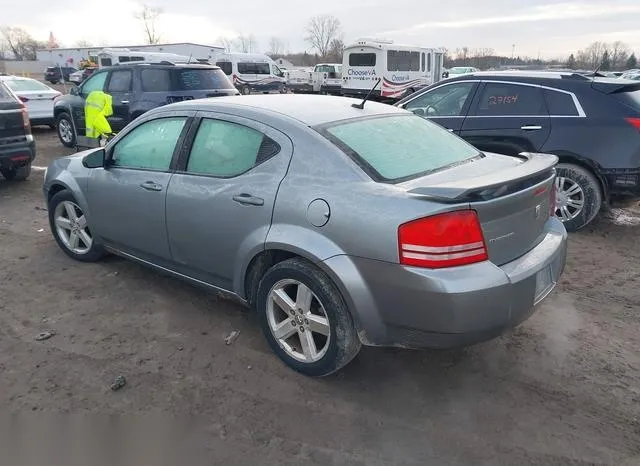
point(560, 103)
point(156, 80)
point(362, 59)
point(226, 149)
point(254, 68)
point(201, 79)
point(502, 99)
point(403, 60)
point(226, 67)
point(120, 81)
point(398, 148)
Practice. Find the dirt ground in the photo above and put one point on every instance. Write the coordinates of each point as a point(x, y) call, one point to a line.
point(563, 388)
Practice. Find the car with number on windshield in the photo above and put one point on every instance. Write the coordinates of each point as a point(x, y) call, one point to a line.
point(339, 224)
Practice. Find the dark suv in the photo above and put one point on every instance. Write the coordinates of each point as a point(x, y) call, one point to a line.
point(135, 89)
point(55, 74)
point(17, 148)
point(591, 123)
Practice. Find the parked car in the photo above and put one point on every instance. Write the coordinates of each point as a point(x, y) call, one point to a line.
point(55, 74)
point(592, 124)
point(37, 97)
point(135, 89)
point(460, 70)
point(81, 75)
point(17, 148)
point(406, 236)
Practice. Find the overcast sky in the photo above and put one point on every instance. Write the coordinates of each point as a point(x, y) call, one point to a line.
point(551, 28)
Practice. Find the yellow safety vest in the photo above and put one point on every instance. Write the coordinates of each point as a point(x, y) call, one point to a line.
point(96, 110)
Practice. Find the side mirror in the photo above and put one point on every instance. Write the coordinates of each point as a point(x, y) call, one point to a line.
point(95, 159)
point(74, 91)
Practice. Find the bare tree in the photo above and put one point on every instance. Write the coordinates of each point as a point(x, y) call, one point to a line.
point(618, 53)
point(335, 50)
point(227, 43)
point(149, 16)
point(321, 30)
point(83, 43)
point(276, 46)
point(247, 43)
point(20, 43)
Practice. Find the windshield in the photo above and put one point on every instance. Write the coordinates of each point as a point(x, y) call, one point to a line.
point(26, 85)
point(398, 148)
point(202, 79)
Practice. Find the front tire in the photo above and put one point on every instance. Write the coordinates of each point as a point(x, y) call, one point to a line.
point(246, 90)
point(578, 196)
point(70, 228)
point(305, 320)
point(17, 174)
point(64, 128)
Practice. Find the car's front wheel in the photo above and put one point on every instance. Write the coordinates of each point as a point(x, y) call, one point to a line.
point(578, 196)
point(17, 174)
point(65, 131)
point(305, 319)
point(70, 228)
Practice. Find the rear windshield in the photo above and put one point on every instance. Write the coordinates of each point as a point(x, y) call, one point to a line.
point(26, 85)
point(398, 148)
point(202, 79)
point(5, 96)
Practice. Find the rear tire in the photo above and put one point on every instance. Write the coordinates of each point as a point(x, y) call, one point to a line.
point(579, 196)
point(64, 128)
point(17, 174)
point(304, 326)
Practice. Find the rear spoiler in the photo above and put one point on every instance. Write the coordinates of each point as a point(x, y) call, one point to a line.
point(535, 169)
point(610, 87)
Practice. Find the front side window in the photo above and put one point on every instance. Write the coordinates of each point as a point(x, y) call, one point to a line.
point(94, 83)
point(106, 62)
point(398, 148)
point(149, 146)
point(445, 101)
point(504, 99)
point(120, 81)
point(362, 59)
point(226, 149)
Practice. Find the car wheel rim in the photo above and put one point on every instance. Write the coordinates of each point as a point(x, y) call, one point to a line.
point(64, 128)
point(298, 321)
point(71, 227)
point(569, 199)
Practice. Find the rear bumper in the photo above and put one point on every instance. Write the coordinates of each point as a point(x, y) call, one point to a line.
point(331, 89)
point(623, 180)
point(300, 87)
point(394, 305)
point(17, 154)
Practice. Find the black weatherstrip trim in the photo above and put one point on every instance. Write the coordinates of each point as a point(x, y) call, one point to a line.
point(185, 143)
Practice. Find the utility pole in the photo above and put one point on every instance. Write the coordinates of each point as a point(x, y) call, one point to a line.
point(513, 51)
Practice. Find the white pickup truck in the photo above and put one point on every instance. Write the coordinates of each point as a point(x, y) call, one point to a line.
point(327, 78)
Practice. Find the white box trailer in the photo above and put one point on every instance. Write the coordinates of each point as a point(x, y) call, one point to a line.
point(112, 57)
point(402, 69)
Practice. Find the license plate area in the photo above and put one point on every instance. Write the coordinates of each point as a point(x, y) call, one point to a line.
point(544, 283)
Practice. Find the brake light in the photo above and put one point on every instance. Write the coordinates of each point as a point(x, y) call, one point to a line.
point(552, 199)
point(635, 122)
point(443, 240)
point(23, 99)
point(25, 120)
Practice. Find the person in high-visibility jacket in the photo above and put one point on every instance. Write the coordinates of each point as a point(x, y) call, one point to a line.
point(97, 108)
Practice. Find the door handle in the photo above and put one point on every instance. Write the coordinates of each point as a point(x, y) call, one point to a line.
point(248, 199)
point(151, 186)
point(530, 128)
point(124, 102)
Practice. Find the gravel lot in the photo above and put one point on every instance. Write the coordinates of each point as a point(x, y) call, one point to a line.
point(564, 388)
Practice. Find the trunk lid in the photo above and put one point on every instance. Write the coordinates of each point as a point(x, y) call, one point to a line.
point(11, 120)
point(511, 196)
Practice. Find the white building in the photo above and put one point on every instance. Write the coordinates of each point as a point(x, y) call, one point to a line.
point(73, 56)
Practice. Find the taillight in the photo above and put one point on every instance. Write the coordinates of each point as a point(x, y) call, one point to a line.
point(23, 99)
point(25, 120)
point(443, 240)
point(552, 199)
point(635, 122)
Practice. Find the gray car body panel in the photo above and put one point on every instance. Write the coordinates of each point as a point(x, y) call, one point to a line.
point(358, 246)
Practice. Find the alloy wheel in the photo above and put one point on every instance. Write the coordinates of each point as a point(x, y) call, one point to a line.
point(298, 321)
point(569, 198)
point(71, 227)
point(65, 131)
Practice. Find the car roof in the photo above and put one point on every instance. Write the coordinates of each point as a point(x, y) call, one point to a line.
point(311, 110)
point(537, 76)
point(168, 65)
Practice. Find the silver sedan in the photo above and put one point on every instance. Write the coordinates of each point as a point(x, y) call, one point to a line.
point(341, 225)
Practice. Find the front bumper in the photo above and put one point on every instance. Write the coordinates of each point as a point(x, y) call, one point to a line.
point(394, 305)
point(16, 152)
